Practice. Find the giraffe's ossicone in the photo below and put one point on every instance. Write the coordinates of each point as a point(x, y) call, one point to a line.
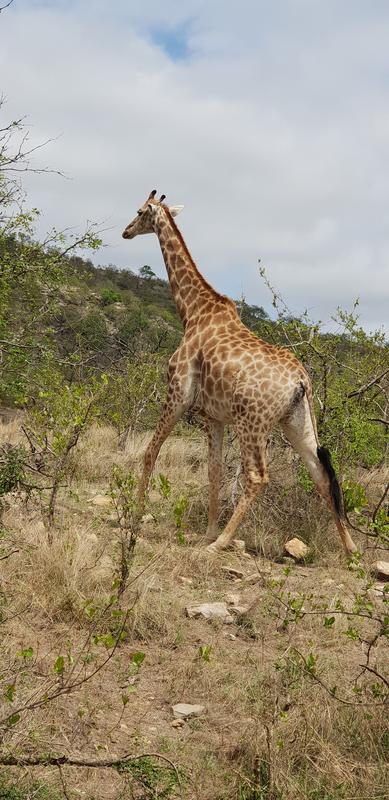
point(228, 375)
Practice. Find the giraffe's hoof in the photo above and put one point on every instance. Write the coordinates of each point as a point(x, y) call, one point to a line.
point(352, 551)
point(213, 548)
point(210, 537)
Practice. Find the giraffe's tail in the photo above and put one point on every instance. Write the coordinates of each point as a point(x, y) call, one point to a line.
point(306, 385)
point(324, 457)
point(336, 493)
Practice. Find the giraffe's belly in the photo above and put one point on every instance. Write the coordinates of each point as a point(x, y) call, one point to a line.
point(215, 408)
point(214, 396)
point(245, 382)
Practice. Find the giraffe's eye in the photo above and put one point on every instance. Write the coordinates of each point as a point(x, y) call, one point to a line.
point(139, 213)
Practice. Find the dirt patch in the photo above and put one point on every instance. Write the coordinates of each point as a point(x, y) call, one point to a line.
point(288, 712)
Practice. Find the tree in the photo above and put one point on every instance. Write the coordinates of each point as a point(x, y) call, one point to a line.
point(31, 274)
point(147, 273)
point(250, 315)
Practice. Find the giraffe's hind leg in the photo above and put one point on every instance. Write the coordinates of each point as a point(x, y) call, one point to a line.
point(215, 432)
point(299, 430)
point(255, 478)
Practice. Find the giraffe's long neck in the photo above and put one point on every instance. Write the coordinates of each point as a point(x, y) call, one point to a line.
point(190, 290)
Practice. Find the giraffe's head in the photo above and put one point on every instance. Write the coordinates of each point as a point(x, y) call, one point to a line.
point(144, 220)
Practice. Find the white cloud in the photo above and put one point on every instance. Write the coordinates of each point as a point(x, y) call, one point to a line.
point(273, 133)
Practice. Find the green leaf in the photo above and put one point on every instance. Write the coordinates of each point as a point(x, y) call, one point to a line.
point(28, 652)
point(59, 665)
point(352, 633)
point(328, 622)
point(108, 640)
point(164, 486)
point(10, 692)
point(205, 652)
point(13, 720)
point(310, 663)
point(137, 658)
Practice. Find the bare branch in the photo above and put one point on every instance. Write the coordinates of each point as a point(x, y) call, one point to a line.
point(379, 504)
point(367, 386)
point(69, 761)
point(6, 5)
point(377, 674)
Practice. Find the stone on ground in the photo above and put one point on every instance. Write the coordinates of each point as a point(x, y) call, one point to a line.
point(379, 589)
point(147, 519)
point(154, 496)
point(210, 611)
point(185, 581)
point(381, 570)
point(239, 610)
point(100, 500)
point(187, 710)
point(232, 599)
point(234, 574)
point(177, 723)
point(239, 545)
point(296, 548)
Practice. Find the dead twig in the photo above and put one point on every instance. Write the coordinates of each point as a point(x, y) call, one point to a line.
point(70, 761)
point(6, 5)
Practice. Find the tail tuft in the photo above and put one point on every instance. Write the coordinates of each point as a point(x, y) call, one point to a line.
point(336, 493)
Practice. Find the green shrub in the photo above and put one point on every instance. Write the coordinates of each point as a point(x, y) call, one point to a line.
point(109, 296)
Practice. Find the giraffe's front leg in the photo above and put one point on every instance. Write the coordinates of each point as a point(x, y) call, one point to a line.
point(255, 478)
point(215, 432)
point(173, 409)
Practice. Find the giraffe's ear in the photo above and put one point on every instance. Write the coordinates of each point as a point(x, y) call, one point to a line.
point(174, 210)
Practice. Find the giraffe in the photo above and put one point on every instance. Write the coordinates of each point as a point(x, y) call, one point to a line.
point(227, 375)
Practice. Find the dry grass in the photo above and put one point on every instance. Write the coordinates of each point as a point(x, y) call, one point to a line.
point(270, 731)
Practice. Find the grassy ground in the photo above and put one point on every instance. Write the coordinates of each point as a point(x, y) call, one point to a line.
point(271, 728)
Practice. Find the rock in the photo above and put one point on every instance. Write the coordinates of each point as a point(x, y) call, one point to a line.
point(296, 548)
point(154, 497)
point(210, 611)
point(381, 570)
point(233, 573)
point(184, 711)
point(185, 581)
point(232, 599)
point(379, 589)
point(100, 500)
point(239, 610)
point(254, 577)
point(125, 728)
point(239, 545)
point(257, 577)
point(147, 519)
point(177, 723)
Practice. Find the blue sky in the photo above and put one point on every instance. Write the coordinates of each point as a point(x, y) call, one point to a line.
point(269, 121)
point(174, 41)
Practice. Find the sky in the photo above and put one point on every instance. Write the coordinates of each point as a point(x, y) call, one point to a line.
point(268, 120)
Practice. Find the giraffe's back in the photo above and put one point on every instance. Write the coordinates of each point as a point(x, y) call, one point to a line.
point(239, 373)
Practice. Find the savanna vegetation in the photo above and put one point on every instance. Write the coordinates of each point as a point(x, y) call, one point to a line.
point(97, 645)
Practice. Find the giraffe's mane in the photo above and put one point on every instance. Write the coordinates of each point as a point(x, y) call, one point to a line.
point(205, 283)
